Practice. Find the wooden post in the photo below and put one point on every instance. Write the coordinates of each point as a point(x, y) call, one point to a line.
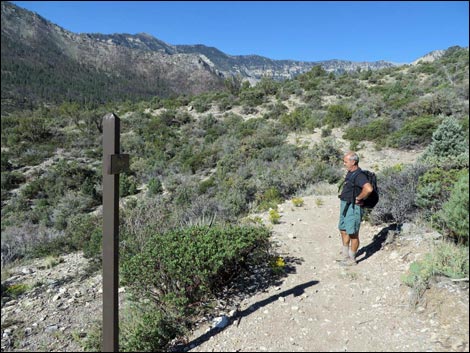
point(113, 164)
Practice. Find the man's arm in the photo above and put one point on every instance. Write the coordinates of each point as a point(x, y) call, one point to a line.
point(366, 191)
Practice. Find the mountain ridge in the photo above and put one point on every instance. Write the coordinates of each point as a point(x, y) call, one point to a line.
point(42, 61)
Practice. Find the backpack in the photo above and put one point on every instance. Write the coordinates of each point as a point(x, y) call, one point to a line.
point(373, 198)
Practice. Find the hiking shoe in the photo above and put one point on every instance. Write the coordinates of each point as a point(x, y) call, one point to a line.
point(348, 262)
point(341, 258)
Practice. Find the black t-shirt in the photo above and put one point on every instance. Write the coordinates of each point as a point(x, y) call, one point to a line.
point(356, 177)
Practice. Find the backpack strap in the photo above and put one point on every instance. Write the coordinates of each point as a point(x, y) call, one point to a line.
point(353, 178)
point(355, 174)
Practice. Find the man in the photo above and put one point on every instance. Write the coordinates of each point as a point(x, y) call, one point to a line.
point(356, 188)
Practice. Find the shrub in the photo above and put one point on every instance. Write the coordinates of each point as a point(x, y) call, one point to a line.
point(147, 329)
point(179, 268)
point(448, 143)
point(455, 211)
point(415, 132)
point(337, 115)
point(276, 110)
point(298, 201)
point(201, 104)
point(375, 130)
point(252, 97)
point(32, 190)
point(5, 160)
point(206, 184)
point(327, 150)
point(16, 290)
point(274, 216)
point(325, 132)
point(268, 86)
point(72, 203)
point(445, 259)
point(268, 199)
point(234, 201)
point(397, 195)
point(127, 185)
point(434, 188)
point(299, 119)
point(11, 180)
point(154, 186)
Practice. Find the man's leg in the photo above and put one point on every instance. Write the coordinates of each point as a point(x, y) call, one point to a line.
point(354, 245)
point(346, 240)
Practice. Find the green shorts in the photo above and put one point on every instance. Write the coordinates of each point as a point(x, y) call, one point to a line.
point(352, 221)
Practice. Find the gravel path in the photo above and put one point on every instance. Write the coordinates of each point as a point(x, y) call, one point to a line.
point(322, 306)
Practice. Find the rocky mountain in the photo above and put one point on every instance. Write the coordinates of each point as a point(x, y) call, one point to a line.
point(41, 61)
point(250, 67)
point(429, 57)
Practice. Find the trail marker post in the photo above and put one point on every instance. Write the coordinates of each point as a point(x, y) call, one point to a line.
point(113, 164)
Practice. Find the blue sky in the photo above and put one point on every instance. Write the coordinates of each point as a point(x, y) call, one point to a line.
point(399, 32)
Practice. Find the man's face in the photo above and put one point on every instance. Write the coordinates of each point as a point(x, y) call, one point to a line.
point(348, 164)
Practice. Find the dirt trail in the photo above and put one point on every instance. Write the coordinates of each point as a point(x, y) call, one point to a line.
point(322, 306)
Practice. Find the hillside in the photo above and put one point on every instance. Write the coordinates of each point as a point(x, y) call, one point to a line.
point(316, 306)
point(44, 63)
point(41, 62)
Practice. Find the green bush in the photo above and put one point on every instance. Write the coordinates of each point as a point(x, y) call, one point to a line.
point(181, 267)
point(16, 290)
point(11, 180)
point(300, 119)
point(274, 216)
point(155, 186)
point(268, 199)
point(127, 185)
point(275, 111)
point(5, 160)
point(70, 204)
point(298, 201)
point(85, 233)
point(82, 232)
point(206, 184)
point(445, 259)
point(415, 132)
point(449, 141)
point(201, 104)
point(326, 131)
point(337, 115)
point(327, 150)
point(33, 189)
point(455, 211)
point(374, 131)
point(426, 68)
point(147, 329)
point(252, 97)
point(434, 189)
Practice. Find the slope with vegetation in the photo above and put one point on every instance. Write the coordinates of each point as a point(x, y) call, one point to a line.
point(201, 164)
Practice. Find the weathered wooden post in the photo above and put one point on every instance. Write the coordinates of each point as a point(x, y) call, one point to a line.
point(113, 164)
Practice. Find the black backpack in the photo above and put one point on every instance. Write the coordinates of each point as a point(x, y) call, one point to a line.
point(373, 198)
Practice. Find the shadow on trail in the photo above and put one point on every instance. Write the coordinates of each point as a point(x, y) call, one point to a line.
point(296, 291)
point(379, 239)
